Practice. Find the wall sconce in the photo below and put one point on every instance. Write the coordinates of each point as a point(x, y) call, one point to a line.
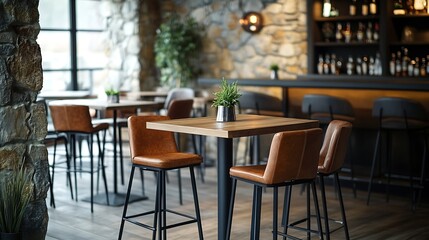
point(251, 22)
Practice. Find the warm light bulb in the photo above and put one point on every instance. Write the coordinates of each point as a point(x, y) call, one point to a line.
point(253, 19)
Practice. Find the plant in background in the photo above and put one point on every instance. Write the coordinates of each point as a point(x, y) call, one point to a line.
point(176, 47)
point(227, 96)
point(111, 92)
point(274, 67)
point(15, 195)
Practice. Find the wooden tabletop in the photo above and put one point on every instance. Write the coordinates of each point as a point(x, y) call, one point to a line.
point(245, 125)
point(57, 95)
point(104, 105)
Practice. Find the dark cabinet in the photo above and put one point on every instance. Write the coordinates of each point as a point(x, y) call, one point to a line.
point(361, 42)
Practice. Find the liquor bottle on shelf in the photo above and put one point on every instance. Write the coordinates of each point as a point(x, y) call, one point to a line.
point(373, 7)
point(371, 66)
point(326, 64)
point(326, 12)
point(338, 33)
point(360, 32)
point(369, 34)
point(352, 8)
point(405, 61)
point(333, 64)
point(347, 33)
point(378, 69)
point(376, 33)
point(409, 6)
point(350, 66)
point(416, 69)
point(398, 66)
point(398, 7)
point(358, 66)
point(339, 66)
point(365, 65)
point(364, 8)
point(320, 65)
point(411, 66)
point(422, 69)
point(420, 6)
point(391, 64)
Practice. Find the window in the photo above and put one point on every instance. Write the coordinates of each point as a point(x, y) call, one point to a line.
point(71, 43)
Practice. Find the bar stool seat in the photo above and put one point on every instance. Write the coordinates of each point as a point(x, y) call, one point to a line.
point(156, 151)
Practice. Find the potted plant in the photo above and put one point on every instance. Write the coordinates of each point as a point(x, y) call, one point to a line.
point(274, 71)
point(177, 45)
point(225, 100)
point(112, 95)
point(15, 194)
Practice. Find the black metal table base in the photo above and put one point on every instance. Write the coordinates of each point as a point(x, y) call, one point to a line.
point(115, 199)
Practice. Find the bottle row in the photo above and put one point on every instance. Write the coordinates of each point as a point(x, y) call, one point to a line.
point(353, 66)
point(362, 8)
point(401, 65)
point(410, 7)
point(360, 32)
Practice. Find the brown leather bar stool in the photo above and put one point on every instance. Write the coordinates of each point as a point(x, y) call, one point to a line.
point(75, 121)
point(331, 161)
point(327, 108)
point(400, 115)
point(292, 160)
point(156, 151)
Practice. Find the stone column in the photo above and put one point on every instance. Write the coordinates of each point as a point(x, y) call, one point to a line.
point(23, 121)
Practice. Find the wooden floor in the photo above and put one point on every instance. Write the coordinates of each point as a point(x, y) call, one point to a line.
point(379, 220)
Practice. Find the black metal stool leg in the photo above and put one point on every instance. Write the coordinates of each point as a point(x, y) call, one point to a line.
point(286, 209)
point(325, 208)
point(316, 205)
point(275, 211)
point(374, 160)
point(127, 198)
point(196, 203)
point(231, 209)
point(343, 211)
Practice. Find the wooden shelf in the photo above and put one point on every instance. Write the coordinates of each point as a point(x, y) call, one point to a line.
point(347, 18)
point(343, 44)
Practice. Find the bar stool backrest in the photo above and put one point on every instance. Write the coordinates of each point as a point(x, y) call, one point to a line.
point(327, 108)
point(293, 156)
point(71, 118)
point(334, 147)
point(146, 142)
point(178, 94)
point(392, 107)
point(180, 108)
point(258, 103)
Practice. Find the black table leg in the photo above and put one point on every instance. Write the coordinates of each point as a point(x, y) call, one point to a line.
point(224, 154)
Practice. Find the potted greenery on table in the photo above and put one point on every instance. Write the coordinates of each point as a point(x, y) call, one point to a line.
point(112, 95)
point(225, 100)
point(15, 194)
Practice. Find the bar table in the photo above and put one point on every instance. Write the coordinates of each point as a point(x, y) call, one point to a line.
point(244, 126)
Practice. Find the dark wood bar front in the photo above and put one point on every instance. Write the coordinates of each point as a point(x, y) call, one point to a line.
point(360, 92)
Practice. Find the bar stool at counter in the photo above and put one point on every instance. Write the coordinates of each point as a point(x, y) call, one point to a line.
point(292, 160)
point(156, 151)
point(404, 115)
point(327, 108)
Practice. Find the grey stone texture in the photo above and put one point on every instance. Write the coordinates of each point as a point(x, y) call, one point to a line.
point(23, 121)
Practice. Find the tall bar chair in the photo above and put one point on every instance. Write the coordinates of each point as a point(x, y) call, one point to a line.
point(292, 160)
point(75, 121)
point(327, 108)
point(156, 151)
point(398, 114)
point(331, 160)
point(259, 104)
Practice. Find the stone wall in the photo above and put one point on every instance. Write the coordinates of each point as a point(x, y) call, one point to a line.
point(231, 52)
point(23, 121)
point(122, 44)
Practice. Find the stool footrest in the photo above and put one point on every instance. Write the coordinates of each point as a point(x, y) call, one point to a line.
point(152, 228)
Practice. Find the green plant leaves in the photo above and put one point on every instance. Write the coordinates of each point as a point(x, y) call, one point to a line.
point(177, 45)
point(227, 96)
